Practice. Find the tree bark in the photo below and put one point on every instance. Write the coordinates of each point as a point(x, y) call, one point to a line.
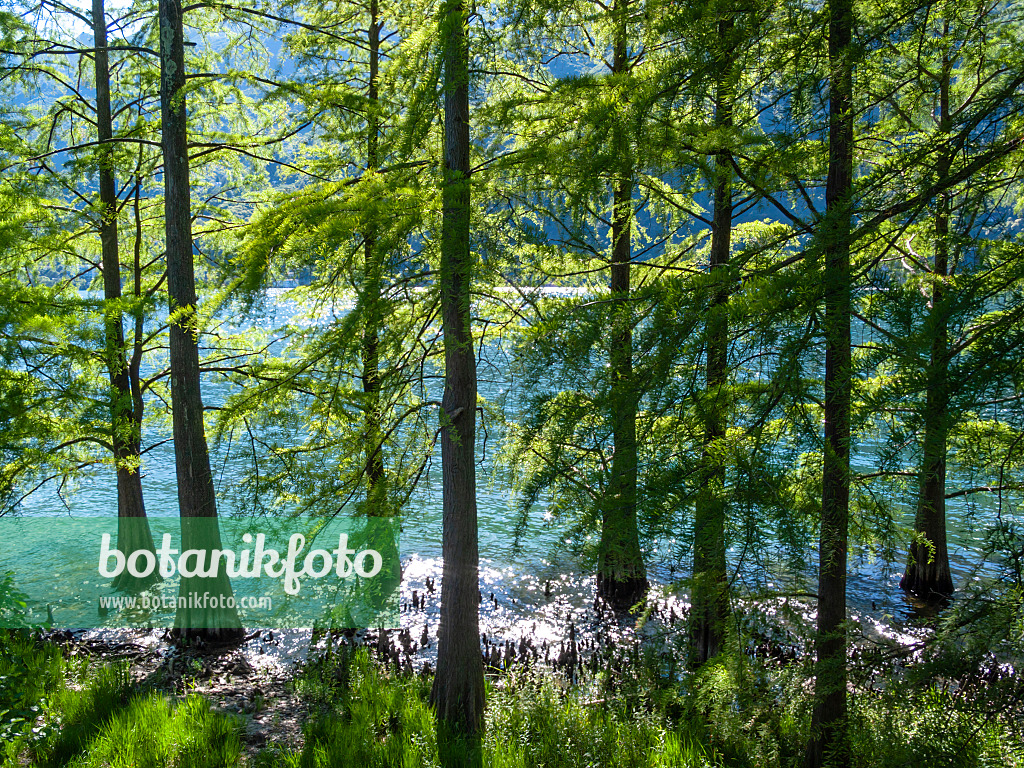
point(621, 573)
point(710, 603)
point(828, 739)
point(373, 320)
point(133, 531)
point(458, 692)
point(927, 574)
point(385, 540)
point(196, 498)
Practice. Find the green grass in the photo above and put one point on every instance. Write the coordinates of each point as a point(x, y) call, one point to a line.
point(366, 716)
point(895, 729)
point(69, 712)
point(150, 732)
point(735, 712)
point(531, 723)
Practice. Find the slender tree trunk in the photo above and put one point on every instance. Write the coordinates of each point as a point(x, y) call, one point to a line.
point(927, 574)
point(125, 422)
point(385, 540)
point(710, 608)
point(139, 312)
point(458, 692)
point(828, 740)
point(196, 500)
point(621, 573)
point(371, 289)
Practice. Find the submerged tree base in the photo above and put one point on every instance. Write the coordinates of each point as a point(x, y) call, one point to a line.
point(208, 636)
point(928, 581)
point(622, 593)
point(134, 534)
point(206, 620)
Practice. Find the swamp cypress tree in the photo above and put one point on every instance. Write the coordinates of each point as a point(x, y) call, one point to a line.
point(941, 307)
point(458, 691)
point(927, 573)
point(196, 499)
point(621, 573)
point(83, 180)
point(827, 745)
point(126, 410)
point(350, 224)
point(710, 602)
point(373, 266)
point(581, 207)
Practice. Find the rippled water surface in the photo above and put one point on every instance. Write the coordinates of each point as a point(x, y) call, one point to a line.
point(535, 590)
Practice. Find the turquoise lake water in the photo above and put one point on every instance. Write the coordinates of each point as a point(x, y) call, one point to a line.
point(516, 577)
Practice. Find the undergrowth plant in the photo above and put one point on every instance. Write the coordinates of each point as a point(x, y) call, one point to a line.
point(735, 712)
point(57, 711)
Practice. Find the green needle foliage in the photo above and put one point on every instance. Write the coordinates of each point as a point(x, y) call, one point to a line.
point(351, 376)
point(744, 275)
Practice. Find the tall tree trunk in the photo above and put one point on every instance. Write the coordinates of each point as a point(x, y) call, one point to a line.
point(710, 603)
point(133, 531)
point(385, 539)
point(621, 573)
point(197, 502)
point(372, 322)
point(458, 692)
point(139, 311)
point(927, 574)
point(828, 743)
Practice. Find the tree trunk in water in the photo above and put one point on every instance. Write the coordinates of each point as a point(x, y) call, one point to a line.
point(927, 574)
point(458, 692)
point(125, 419)
point(196, 500)
point(710, 604)
point(621, 573)
point(828, 744)
point(385, 540)
point(375, 489)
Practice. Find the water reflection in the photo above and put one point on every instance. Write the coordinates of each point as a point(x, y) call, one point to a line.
point(546, 617)
point(539, 592)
